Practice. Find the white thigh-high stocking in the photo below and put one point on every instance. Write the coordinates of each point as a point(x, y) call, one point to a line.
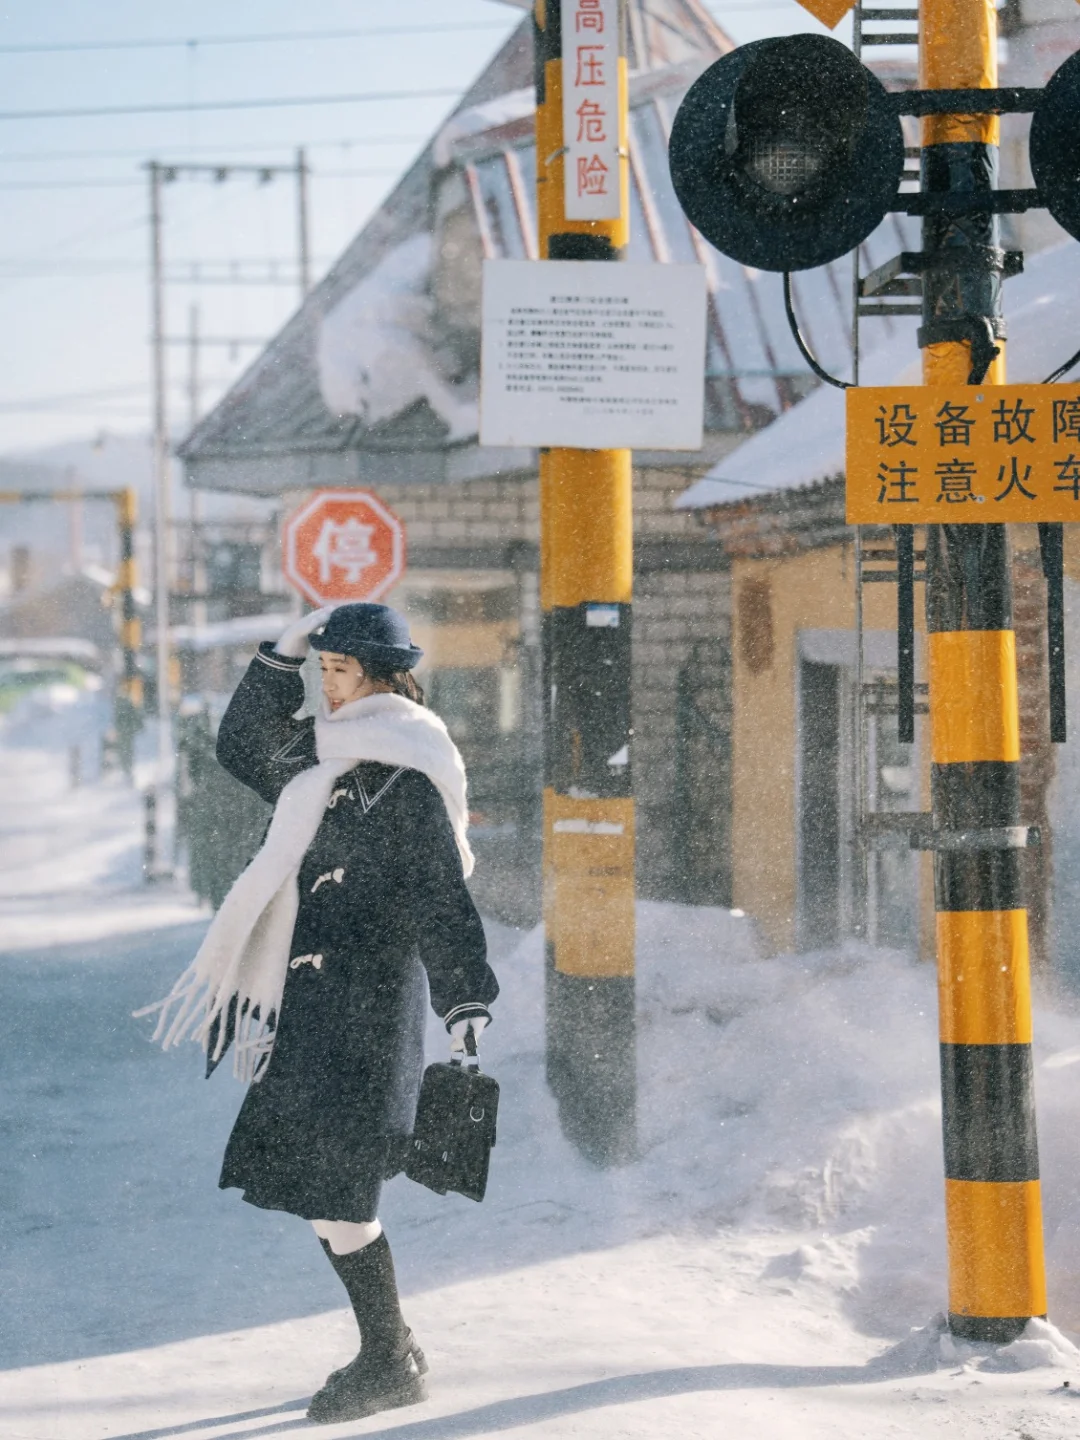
point(345, 1237)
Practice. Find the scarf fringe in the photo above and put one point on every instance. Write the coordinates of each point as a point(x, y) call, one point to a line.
point(184, 999)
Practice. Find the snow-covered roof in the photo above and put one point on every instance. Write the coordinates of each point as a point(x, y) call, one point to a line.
point(276, 409)
point(375, 378)
point(478, 119)
point(807, 443)
point(240, 630)
point(51, 647)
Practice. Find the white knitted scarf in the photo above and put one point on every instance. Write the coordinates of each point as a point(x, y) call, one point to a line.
point(245, 954)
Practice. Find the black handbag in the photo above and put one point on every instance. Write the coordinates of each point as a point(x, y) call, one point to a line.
point(454, 1132)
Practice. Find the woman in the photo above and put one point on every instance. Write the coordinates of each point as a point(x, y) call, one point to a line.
point(313, 969)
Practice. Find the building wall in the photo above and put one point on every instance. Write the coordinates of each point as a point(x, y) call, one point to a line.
point(774, 599)
point(474, 513)
point(676, 614)
point(681, 603)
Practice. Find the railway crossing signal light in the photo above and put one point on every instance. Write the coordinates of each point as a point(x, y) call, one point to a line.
point(787, 153)
point(1054, 146)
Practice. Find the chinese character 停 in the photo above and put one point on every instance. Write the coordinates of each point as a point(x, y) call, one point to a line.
point(1015, 481)
point(1012, 425)
point(592, 122)
point(344, 547)
point(590, 65)
point(1069, 474)
point(592, 175)
point(953, 426)
point(1066, 420)
point(956, 477)
point(896, 429)
point(902, 483)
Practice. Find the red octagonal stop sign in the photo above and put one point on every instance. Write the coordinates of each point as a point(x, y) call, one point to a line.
point(343, 545)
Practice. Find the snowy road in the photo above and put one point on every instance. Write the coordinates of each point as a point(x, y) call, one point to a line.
point(749, 1276)
point(669, 1337)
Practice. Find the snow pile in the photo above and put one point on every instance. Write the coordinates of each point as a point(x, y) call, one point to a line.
point(373, 357)
point(1041, 1346)
point(789, 1097)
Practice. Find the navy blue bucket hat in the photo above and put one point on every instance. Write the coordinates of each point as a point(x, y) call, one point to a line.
point(373, 634)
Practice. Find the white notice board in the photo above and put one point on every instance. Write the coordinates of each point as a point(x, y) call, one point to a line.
point(592, 355)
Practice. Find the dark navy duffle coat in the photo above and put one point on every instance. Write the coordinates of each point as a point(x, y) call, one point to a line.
point(382, 901)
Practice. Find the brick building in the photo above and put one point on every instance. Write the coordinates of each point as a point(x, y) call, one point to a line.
point(776, 509)
point(374, 383)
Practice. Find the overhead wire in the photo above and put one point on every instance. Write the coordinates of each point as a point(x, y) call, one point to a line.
point(178, 107)
point(112, 401)
point(269, 38)
point(104, 183)
point(176, 42)
point(359, 142)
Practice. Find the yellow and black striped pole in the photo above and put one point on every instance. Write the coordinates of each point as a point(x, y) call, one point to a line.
point(586, 586)
point(993, 1208)
point(131, 686)
point(129, 704)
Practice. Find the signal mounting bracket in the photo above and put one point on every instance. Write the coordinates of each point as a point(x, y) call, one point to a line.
point(1011, 100)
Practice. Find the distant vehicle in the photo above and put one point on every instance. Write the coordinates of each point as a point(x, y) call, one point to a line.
point(23, 674)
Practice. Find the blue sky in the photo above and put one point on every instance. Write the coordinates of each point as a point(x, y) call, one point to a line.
point(73, 257)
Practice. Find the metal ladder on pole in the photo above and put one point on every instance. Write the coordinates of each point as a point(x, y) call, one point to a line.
point(883, 555)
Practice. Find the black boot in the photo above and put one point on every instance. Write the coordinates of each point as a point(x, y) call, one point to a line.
point(417, 1354)
point(388, 1371)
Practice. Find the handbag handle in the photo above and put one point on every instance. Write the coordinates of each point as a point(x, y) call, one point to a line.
point(470, 1052)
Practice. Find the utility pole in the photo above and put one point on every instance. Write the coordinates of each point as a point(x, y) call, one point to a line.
point(993, 1206)
point(302, 236)
point(198, 566)
point(194, 384)
point(160, 175)
point(586, 587)
point(162, 508)
point(130, 698)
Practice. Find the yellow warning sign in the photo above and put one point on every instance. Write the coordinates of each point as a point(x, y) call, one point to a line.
point(975, 455)
point(829, 12)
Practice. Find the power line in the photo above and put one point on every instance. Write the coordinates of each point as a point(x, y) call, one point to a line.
point(29, 265)
point(107, 184)
point(291, 36)
point(37, 156)
point(71, 184)
point(32, 403)
point(184, 107)
point(272, 38)
point(198, 42)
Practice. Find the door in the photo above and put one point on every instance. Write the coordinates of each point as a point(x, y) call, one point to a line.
point(821, 829)
point(701, 821)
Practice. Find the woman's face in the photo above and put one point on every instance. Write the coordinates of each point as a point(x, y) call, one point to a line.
point(343, 679)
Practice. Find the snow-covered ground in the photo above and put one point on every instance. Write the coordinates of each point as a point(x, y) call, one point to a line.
point(756, 1273)
point(70, 855)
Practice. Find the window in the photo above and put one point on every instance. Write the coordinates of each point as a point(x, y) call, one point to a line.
point(500, 210)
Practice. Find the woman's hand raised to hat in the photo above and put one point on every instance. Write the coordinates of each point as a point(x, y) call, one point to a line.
point(295, 640)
